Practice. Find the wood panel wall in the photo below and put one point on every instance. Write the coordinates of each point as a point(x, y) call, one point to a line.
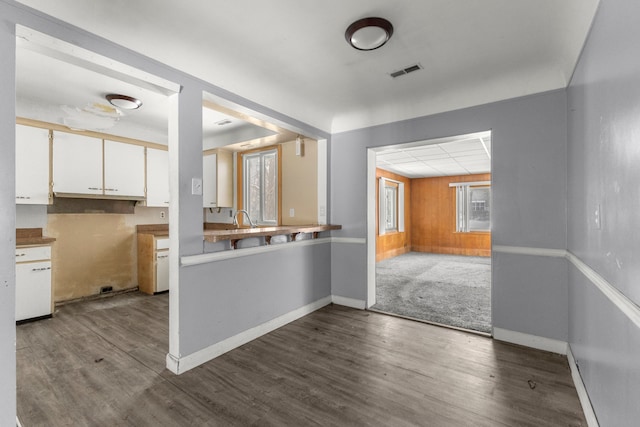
point(433, 218)
point(393, 244)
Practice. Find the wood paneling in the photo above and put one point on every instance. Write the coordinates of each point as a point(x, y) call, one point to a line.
point(101, 363)
point(396, 243)
point(433, 218)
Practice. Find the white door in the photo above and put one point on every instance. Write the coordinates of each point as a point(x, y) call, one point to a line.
point(157, 177)
point(77, 164)
point(123, 169)
point(32, 165)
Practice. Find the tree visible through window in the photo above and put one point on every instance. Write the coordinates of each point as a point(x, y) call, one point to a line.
point(260, 186)
point(473, 206)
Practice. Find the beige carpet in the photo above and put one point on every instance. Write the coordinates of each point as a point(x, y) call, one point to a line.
point(447, 289)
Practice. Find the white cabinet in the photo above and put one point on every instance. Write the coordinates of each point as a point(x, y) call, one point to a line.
point(217, 179)
point(153, 263)
point(209, 181)
point(86, 165)
point(33, 282)
point(162, 271)
point(32, 165)
point(157, 177)
point(123, 169)
point(77, 164)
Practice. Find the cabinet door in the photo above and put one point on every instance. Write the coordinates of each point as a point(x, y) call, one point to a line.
point(209, 181)
point(32, 165)
point(162, 271)
point(123, 169)
point(77, 164)
point(157, 177)
point(225, 179)
point(33, 290)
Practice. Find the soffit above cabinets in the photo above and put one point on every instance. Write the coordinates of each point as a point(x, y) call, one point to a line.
point(459, 155)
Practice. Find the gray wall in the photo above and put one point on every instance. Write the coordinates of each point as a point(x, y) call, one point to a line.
point(529, 201)
point(7, 227)
point(603, 169)
point(224, 298)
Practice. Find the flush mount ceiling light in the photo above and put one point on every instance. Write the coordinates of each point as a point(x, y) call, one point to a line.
point(123, 101)
point(369, 33)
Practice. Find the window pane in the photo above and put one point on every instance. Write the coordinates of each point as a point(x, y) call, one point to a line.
point(252, 198)
point(390, 194)
point(270, 211)
point(479, 209)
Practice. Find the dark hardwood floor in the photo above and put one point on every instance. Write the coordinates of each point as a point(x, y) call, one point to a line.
point(101, 363)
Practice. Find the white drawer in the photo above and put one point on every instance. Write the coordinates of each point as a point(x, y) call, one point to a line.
point(33, 253)
point(162, 243)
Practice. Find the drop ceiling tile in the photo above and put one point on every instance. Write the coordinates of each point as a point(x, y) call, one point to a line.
point(458, 146)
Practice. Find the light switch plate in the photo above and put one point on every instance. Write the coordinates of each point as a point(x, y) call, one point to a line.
point(196, 186)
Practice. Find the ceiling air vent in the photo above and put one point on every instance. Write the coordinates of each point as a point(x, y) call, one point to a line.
point(409, 69)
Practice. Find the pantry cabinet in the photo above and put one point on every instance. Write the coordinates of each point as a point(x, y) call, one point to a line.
point(32, 166)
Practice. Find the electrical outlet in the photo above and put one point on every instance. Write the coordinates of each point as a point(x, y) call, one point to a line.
point(162, 214)
point(597, 217)
point(292, 213)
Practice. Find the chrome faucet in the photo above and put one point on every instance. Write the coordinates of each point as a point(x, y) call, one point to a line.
point(235, 218)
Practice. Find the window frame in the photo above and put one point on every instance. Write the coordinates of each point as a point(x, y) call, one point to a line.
point(243, 194)
point(398, 223)
point(463, 205)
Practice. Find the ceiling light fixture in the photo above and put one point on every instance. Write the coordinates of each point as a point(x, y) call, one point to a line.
point(123, 101)
point(369, 33)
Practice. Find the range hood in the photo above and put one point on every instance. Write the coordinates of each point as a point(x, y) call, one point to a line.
point(74, 203)
point(97, 196)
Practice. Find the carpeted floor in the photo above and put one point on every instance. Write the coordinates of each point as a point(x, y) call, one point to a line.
point(448, 289)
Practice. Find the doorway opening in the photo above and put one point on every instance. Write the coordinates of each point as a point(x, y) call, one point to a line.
point(431, 233)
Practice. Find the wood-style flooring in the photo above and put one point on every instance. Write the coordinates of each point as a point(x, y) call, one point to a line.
point(102, 363)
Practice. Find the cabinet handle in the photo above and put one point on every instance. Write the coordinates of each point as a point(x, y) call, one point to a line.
point(23, 197)
point(163, 256)
point(110, 189)
point(41, 269)
point(17, 255)
point(94, 188)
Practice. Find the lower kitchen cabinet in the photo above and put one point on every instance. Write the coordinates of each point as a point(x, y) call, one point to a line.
point(33, 282)
point(153, 263)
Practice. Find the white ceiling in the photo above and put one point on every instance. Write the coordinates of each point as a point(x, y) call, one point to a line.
point(457, 155)
point(291, 56)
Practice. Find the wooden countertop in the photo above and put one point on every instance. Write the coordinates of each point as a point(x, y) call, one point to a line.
point(243, 233)
point(32, 237)
point(158, 230)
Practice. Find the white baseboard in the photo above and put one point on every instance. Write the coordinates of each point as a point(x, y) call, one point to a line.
point(349, 302)
point(179, 365)
point(533, 341)
point(589, 413)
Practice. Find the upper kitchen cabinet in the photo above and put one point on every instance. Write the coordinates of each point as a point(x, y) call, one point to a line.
point(32, 166)
point(84, 165)
point(217, 179)
point(77, 164)
point(157, 177)
point(123, 170)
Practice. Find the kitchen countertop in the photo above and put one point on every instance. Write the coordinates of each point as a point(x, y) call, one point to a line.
point(217, 232)
point(32, 237)
point(243, 233)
